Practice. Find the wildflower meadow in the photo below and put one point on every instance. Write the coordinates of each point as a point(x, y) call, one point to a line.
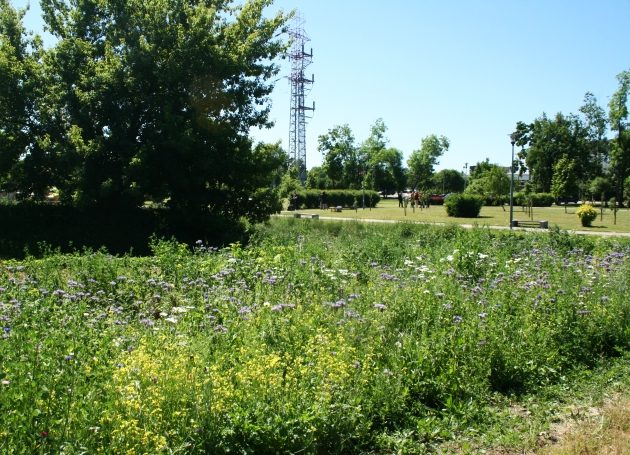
point(316, 337)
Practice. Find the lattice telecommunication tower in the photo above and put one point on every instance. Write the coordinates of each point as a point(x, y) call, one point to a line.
point(300, 87)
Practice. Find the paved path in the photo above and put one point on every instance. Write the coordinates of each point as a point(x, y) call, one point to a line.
point(466, 226)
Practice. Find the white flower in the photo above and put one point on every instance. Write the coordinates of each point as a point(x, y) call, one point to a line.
point(181, 309)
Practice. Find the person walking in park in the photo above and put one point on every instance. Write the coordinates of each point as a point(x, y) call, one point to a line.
point(323, 203)
point(400, 199)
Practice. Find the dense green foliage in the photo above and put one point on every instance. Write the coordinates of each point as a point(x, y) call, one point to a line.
point(374, 165)
point(577, 146)
point(316, 338)
point(563, 183)
point(342, 161)
point(490, 182)
point(448, 181)
point(534, 199)
point(620, 123)
point(421, 162)
point(143, 101)
point(20, 86)
point(312, 199)
point(37, 228)
point(463, 205)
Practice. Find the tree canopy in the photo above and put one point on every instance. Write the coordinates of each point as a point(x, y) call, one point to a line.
point(421, 163)
point(489, 181)
point(20, 85)
point(341, 160)
point(619, 122)
point(154, 100)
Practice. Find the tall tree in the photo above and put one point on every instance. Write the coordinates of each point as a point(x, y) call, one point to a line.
point(563, 182)
point(341, 160)
point(448, 181)
point(317, 178)
point(20, 86)
point(618, 115)
point(386, 173)
point(489, 181)
point(596, 125)
point(381, 167)
point(548, 140)
point(156, 99)
point(421, 163)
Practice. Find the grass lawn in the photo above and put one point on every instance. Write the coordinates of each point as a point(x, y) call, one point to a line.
point(388, 209)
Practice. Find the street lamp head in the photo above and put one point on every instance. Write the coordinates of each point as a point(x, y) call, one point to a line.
point(512, 138)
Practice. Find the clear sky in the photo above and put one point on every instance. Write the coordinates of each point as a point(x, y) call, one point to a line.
point(468, 70)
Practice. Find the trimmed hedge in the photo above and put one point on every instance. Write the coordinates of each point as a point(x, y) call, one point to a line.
point(463, 205)
point(310, 199)
point(33, 228)
point(538, 199)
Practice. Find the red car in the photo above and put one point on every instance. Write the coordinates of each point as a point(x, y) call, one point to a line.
point(437, 199)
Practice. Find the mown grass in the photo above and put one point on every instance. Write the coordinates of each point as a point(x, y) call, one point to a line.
point(315, 338)
point(388, 209)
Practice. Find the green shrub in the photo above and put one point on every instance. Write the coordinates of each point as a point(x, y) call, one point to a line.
point(37, 227)
point(542, 199)
point(496, 201)
point(537, 199)
point(463, 205)
point(587, 214)
point(310, 199)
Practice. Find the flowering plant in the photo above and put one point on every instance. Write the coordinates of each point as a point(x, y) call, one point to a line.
point(586, 213)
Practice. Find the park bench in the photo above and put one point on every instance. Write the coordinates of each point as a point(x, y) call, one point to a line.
point(337, 208)
point(531, 224)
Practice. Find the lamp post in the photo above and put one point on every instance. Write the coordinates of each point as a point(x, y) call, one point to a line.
point(465, 170)
point(513, 141)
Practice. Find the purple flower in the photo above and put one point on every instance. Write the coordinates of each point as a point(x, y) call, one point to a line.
point(388, 277)
point(380, 306)
point(220, 329)
point(457, 319)
point(244, 310)
point(147, 322)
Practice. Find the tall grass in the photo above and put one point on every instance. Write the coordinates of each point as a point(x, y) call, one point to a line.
point(315, 338)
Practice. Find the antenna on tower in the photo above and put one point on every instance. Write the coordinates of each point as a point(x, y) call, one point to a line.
point(300, 88)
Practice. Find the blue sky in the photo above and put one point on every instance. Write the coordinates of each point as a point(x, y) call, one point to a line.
point(468, 70)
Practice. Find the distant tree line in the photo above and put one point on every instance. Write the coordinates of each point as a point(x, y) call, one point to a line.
point(585, 155)
point(574, 156)
point(374, 165)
